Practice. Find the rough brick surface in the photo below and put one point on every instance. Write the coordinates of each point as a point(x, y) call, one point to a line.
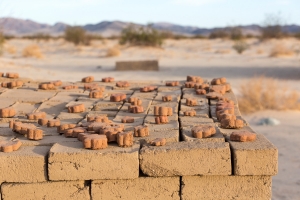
point(226, 187)
point(186, 158)
point(46, 190)
point(160, 188)
point(69, 161)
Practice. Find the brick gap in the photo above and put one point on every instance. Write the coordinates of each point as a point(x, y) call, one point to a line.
point(88, 183)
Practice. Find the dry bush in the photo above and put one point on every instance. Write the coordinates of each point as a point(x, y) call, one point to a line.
point(279, 50)
point(240, 46)
point(32, 51)
point(113, 51)
point(263, 93)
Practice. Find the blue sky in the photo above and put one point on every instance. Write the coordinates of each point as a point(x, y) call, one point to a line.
point(201, 13)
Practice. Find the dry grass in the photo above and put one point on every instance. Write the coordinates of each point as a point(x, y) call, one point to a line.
point(280, 50)
point(262, 93)
point(32, 51)
point(113, 51)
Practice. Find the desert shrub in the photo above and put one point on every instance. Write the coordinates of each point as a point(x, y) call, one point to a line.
point(2, 40)
point(297, 35)
point(32, 51)
point(77, 35)
point(240, 46)
point(272, 27)
point(38, 36)
point(218, 34)
point(142, 36)
point(113, 51)
point(261, 93)
point(280, 50)
point(235, 33)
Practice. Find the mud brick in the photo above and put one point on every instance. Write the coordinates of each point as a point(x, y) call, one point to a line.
point(141, 131)
point(76, 108)
point(22, 128)
point(158, 142)
point(94, 141)
point(196, 79)
point(242, 136)
point(7, 112)
point(70, 87)
point(204, 86)
point(12, 84)
point(63, 127)
point(214, 95)
point(228, 96)
point(136, 109)
point(135, 101)
point(125, 139)
point(34, 134)
point(96, 126)
point(232, 124)
point(170, 136)
point(187, 135)
point(167, 98)
point(163, 111)
point(122, 84)
point(172, 83)
point(226, 187)
point(172, 125)
point(203, 131)
point(166, 188)
point(12, 75)
point(46, 190)
point(9, 146)
point(48, 140)
point(108, 79)
point(93, 87)
point(127, 119)
point(191, 102)
point(57, 83)
point(97, 118)
point(189, 113)
point(117, 97)
point(25, 165)
point(161, 120)
point(43, 122)
point(218, 81)
point(73, 132)
point(53, 123)
point(189, 84)
point(87, 79)
point(36, 116)
point(218, 88)
point(47, 86)
point(148, 89)
point(69, 161)
point(259, 157)
point(97, 94)
point(200, 91)
point(186, 158)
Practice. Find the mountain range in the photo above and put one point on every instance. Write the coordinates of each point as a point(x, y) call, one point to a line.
point(21, 27)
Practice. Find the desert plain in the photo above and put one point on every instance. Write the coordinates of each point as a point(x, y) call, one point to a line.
point(278, 59)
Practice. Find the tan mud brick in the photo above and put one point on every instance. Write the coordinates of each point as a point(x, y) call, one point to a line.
point(46, 141)
point(186, 158)
point(186, 134)
point(186, 121)
point(46, 190)
point(70, 161)
point(226, 187)
point(27, 96)
point(169, 135)
point(173, 105)
point(160, 188)
point(27, 164)
point(229, 95)
point(259, 157)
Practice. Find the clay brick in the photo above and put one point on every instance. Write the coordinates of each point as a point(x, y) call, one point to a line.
point(186, 158)
point(166, 188)
point(12, 84)
point(141, 131)
point(196, 79)
point(56, 83)
point(214, 95)
point(53, 123)
point(256, 158)
point(69, 161)
point(242, 136)
point(167, 98)
point(22, 128)
point(226, 187)
point(98, 118)
point(125, 139)
point(94, 141)
point(200, 91)
point(76, 108)
point(158, 142)
point(189, 84)
point(7, 112)
point(93, 86)
point(204, 86)
point(28, 164)
point(43, 121)
point(161, 120)
point(136, 109)
point(97, 94)
point(9, 146)
point(127, 119)
point(95, 126)
point(70, 87)
point(163, 111)
point(218, 88)
point(108, 79)
point(136, 102)
point(87, 79)
point(117, 97)
point(148, 89)
point(71, 190)
point(34, 134)
point(172, 83)
point(203, 131)
point(36, 116)
point(191, 102)
point(12, 75)
point(47, 86)
point(73, 132)
point(186, 133)
point(230, 111)
point(218, 81)
point(189, 113)
point(122, 84)
point(232, 124)
point(63, 127)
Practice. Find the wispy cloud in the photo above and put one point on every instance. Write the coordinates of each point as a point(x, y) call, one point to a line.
point(195, 2)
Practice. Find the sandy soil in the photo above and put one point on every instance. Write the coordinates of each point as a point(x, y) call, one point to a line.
point(178, 58)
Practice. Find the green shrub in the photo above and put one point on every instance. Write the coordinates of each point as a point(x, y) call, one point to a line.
point(143, 36)
point(77, 35)
point(240, 46)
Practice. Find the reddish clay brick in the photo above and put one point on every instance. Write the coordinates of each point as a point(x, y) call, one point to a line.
point(117, 97)
point(125, 139)
point(122, 84)
point(96, 126)
point(22, 128)
point(189, 113)
point(11, 124)
point(218, 88)
point(226, 116)
point(135, 101)
point(102, 119)
point(127, 119)
point(94, 141)
point(87, 79)
point(191, 102)
point(10, 146)
point(204, 86)
point(63, 127)
point(96, 94)
point(203, 131)
point(228, 123)
point(47, 86)
point(224, 111)
point(1, 74)
point(56, 83)
point(218, 81)
point(93, 86)
point(158, 142)
point(148, 88)
point(161, 120)
point(141, 131)
point(12, 84)
point(172, 83)
point(132, 99)
point(111, 134)
point(136, 109)
point(43, 121)
point(73, 132)
point(108, 79)
point(53, 123)
point(227, 86)
point(196, 79)
point(200, 91)
point(111, 127)
point(214, 95)
point(7, 112)
point(242, 136)
point(189, 84)
point(76, 108)
point(167, 98)
point(163, 111)
point(70, 87)
point(36, 116)
point(34, 134)
point(12, 75)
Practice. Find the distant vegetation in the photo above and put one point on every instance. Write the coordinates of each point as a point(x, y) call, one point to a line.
point(32, 51)
point(272, 27)
point(77, 35)
point(233, 33)
point(240, 46)
point(141, 36)
point(2, 40)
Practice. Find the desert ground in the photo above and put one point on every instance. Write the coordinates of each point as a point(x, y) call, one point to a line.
point(279, 59)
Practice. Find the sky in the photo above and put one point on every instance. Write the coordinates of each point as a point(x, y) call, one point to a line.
point(200, 13)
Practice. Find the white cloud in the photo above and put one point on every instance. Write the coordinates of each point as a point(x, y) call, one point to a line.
point(195, 2)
